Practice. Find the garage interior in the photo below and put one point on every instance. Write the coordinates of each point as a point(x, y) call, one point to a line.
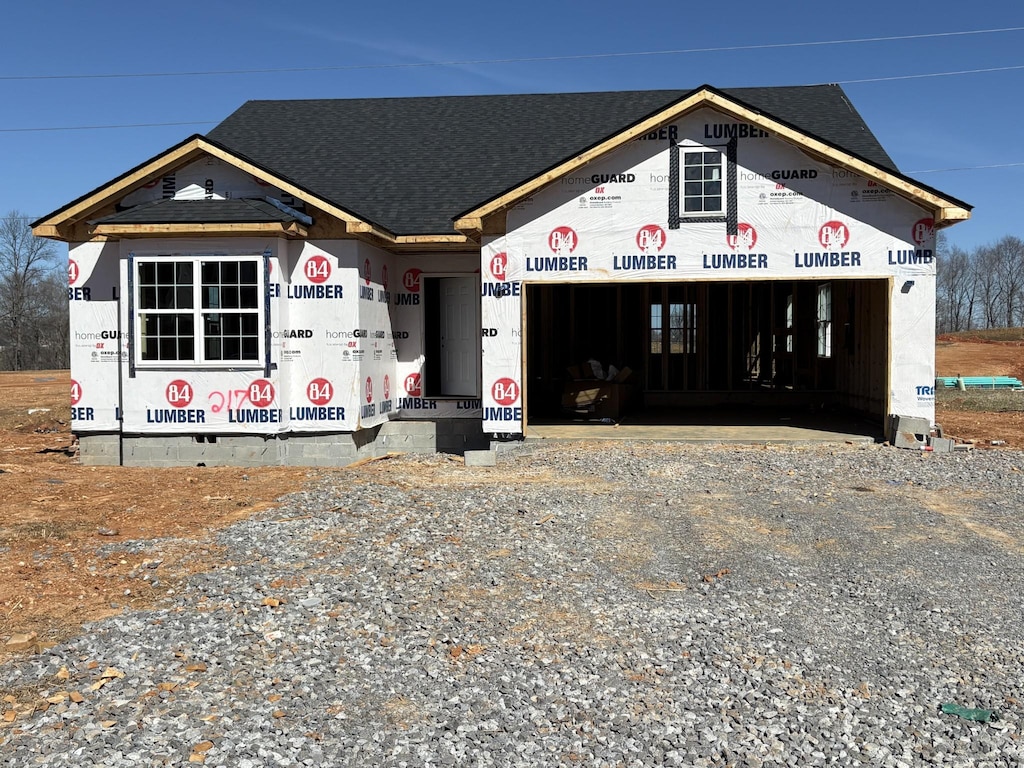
point(774, 352)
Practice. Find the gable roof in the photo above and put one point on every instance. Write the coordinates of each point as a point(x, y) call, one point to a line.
point(413, 170)
point(411, 165)
point(201, 211)
point(67, 221)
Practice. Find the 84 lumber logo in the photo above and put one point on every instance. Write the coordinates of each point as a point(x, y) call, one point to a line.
point(505, 392)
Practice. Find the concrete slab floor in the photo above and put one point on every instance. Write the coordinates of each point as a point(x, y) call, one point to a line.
point(745, 425)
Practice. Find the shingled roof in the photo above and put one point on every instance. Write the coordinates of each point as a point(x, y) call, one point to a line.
point(200, 212)
point(411, 165)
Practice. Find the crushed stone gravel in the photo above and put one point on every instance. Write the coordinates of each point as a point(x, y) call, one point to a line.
point(625, 604)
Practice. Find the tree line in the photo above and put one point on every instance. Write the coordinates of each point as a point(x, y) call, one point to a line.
point(981, 288)
point(34, 332)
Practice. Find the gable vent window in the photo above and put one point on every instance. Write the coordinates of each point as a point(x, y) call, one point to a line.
point(199, 311)
point(703, 184)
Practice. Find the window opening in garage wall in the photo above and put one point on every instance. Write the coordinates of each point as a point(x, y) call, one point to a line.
point(656, 329)
point(825, 320)
point(789, 322)
point(674, 312)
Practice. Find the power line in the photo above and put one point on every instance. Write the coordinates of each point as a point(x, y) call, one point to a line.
point(965, 168)
point(211, 122)
point(100, 127)
point(931, 74)
point(519, 60)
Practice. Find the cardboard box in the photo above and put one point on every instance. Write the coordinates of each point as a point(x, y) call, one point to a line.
point(582, 394)
point(600, 399)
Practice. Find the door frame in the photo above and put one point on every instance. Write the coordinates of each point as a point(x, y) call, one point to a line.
point(431, 334)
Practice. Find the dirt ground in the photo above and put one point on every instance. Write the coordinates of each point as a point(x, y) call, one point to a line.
point(979, 357)
point(57, 517)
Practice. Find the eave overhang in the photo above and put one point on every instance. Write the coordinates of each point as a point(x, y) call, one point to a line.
point(75, 221)
point(293, 229)
point(945, 210)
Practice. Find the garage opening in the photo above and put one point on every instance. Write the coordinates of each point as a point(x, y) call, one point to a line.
point(678, 352)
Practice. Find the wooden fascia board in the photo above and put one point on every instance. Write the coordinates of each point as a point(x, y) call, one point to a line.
point(945, 211)
point(428, 239)
point(434, 247)
point(162, 164)
point(47, 230)
point(475, 217)
point(353, 224)
point(292, 228)
point(949, 216)
point(154, 169)
point(470, 224)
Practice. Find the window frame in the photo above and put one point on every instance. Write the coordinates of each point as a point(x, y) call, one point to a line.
point(656, 328)
point(197, 311)
point(673, 328)
point(824, 320)
point(676, 172)
point(700, 149)
point(790, 314)
point(682, 328)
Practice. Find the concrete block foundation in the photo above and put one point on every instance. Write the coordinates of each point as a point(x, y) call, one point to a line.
point(335, 449)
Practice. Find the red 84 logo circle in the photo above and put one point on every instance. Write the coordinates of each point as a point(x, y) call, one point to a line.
point(505, 391)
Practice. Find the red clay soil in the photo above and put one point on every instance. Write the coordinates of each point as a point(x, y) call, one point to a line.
point(56, 516)
point(982, 357)
point(979, 358)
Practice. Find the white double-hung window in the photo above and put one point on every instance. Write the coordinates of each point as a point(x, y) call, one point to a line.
point(199, 310)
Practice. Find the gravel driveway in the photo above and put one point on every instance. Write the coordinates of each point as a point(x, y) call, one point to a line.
point(592, 605)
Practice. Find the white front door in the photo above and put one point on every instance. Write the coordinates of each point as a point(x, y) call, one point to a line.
point(460, 336)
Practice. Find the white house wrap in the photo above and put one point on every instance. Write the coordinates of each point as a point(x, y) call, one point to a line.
point(294, 288)
point(792, 217)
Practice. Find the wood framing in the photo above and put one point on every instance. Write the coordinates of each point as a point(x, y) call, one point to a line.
point(86, 206)
point(472, 219)
point(945, 211)
point(69, 223)
point(291, 229)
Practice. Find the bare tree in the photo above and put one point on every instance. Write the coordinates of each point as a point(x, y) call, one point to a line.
point(955, 289)
point(29, 314)
point(1009, 255)
point(990, 298)
point(50, 340)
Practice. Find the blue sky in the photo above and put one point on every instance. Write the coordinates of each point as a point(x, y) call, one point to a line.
point(952, 121)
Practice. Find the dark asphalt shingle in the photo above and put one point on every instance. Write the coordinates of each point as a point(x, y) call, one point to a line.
point(236, 211)
point(411, 165)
